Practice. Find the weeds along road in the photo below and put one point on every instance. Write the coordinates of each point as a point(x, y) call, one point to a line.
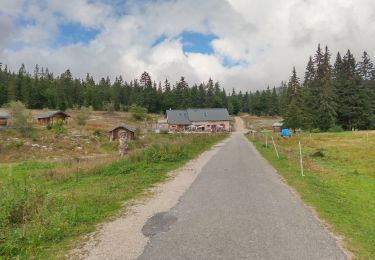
point(238, 208)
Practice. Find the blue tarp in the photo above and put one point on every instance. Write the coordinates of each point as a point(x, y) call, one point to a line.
point(285, 132)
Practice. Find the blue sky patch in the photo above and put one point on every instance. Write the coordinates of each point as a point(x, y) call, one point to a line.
point(197, 42)
point(72, 33)
point(229, 63)
point(158, 40)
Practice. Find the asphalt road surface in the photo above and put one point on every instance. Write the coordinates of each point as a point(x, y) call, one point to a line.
point(238, 208)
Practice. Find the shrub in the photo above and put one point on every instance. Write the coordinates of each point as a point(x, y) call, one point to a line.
point(57, 126)
point(21, 118)
point(138, 112)
point(109, 106)
point(83, 114)
point(96, 133)
point(336, 128)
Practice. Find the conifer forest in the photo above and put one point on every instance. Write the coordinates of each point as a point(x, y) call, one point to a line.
point(335, 92)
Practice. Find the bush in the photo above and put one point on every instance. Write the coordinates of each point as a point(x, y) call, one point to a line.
point(83, 114)
point(57, 126)
point(336, 128)
point(138, 112)
point(109, 106)
point(21, 118)
point(96, 133)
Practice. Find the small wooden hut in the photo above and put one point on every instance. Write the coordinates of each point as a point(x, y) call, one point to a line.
point(49, 117)
point(277, 126)
point(4, 117)
point(115, 132)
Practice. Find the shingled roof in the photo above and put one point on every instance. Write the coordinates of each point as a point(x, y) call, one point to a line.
point(4, 115)
point(130, 128)
point(49, 114)
point(186, 117)
point(178, 117)
point(208, 114)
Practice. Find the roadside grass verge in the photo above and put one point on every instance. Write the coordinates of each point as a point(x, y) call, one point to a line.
point(43, 216)
point(339, 181)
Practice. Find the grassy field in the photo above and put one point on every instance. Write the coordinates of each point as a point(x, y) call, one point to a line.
point(45, 209)
point(56, 186)
point(339, 180)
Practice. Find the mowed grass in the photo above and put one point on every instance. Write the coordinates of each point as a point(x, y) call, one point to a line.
point(339, 181)
point(43, 214)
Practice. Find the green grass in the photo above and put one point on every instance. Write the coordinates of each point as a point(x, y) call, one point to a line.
point(43, 217)
point(339, 184)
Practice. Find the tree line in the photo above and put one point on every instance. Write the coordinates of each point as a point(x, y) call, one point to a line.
point(338, 95)
point(43, 90)
point(335, 96)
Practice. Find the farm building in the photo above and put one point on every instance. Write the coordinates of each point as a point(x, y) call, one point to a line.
point(4, 117)
point(277, 126)
point(122, 128)
point(50, 116)
point(209, 120)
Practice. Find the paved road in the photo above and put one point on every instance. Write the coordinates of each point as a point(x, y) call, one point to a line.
point(238, 208)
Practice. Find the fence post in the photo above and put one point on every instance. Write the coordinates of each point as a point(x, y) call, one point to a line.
point(300, 156)
point(274, 145)
point(266, 141)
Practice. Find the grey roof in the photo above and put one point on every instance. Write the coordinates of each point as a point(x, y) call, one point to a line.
point(178, 117)
point(49, 114)
point(185, 117)
point(277, 124)
point(208, 114)
point(4, 114)
point(130, 128)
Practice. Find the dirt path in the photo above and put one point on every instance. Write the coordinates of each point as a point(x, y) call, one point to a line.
point(239, 125)
point(122, 238)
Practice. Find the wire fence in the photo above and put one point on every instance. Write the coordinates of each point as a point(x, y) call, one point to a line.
point(288, 148)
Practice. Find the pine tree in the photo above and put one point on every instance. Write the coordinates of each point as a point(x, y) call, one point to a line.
point(354, 110)
point(320, 94)
point(210, 96)
point(366, 67)
point(294, 116)
point(326, 97)
point(274, 103)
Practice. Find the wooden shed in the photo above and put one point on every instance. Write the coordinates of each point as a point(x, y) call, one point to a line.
point(115, 132)
point(4, 117)
point(51, 116)
point(277, 126)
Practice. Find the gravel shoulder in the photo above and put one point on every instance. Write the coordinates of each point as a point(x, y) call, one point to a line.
point(122, 238)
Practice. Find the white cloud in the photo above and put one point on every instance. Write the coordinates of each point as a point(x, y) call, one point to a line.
point(268, 37)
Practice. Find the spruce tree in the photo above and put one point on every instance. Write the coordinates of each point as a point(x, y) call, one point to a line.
point(354, 110)
point(366, 67)
point(294, 116)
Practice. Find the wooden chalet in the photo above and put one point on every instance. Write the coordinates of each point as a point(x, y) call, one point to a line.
point(49, 117)
point(116, 131)
point(199, 120)
point(4, 117)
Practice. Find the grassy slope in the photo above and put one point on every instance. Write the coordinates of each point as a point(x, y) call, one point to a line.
point(43, 215)
point(340, 184)
point(76, 141)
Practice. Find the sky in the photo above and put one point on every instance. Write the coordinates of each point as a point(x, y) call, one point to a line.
point(243, 44)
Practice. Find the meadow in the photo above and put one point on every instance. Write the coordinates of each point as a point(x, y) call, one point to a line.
point(338, 181)
point(56, 186)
